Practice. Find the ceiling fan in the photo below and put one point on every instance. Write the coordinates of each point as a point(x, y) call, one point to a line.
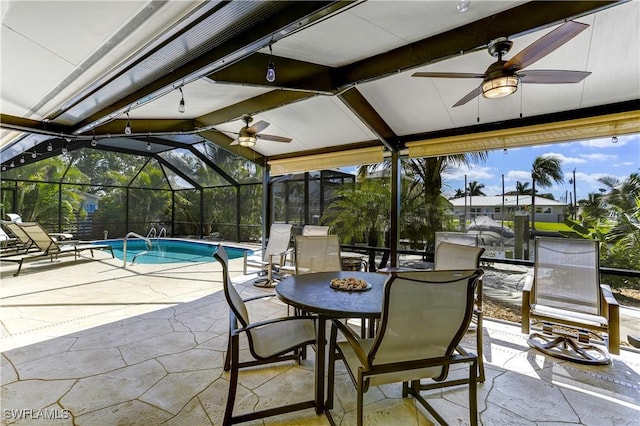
point(248, 135)
point(502, 77)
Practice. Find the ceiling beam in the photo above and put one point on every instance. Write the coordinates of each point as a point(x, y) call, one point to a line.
point(290, 74)
point(357, 103)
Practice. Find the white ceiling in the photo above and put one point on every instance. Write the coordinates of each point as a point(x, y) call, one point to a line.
point(53, 50)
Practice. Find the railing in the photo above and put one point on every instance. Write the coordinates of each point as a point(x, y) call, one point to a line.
point(162, 233)
point(152, 232)
point(124, 247)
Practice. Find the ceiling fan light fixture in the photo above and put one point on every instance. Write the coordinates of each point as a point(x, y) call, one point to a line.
point(247, 140)
point(500, 87)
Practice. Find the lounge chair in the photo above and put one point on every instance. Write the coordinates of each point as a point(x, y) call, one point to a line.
point(565, 295)
point(273, 256)
point(22, 241)
point(48, 247)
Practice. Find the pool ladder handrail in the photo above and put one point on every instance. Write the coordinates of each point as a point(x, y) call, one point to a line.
point(153, 232)
point(124, 247)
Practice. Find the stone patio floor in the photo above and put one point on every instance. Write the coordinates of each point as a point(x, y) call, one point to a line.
point(89, 342)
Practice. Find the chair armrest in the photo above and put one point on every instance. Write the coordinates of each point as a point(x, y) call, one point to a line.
point(271, 321)
point(527, 289)
point(611, 310)
point(353, 341)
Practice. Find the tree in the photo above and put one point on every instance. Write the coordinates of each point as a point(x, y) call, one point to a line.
point(522, 188)
point(544, 171)
point(459, 193)
point(474, 188)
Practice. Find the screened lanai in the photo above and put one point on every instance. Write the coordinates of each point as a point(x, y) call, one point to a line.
point(174, 84)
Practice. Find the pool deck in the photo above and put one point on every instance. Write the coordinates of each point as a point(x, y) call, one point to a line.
point(93, 343)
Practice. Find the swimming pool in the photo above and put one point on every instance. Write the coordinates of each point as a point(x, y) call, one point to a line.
point(164, 250)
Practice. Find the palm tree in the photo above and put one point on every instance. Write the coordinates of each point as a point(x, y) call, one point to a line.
point(475, 188)
point(522, 188)
point(544, 171)
point(459, 193)
point(427, 172)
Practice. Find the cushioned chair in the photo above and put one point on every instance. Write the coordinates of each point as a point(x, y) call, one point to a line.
point(270, 341)
point(464, 254)
point(274, 255)
point(405, 349)
point(564, 294)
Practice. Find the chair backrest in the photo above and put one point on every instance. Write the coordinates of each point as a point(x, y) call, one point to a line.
point(567, 274)
point(279, 239)
point(311, 230)
point(456, 237)
point(317, 254)
point(15, 229)
point(14, 217)
point(40, 237)
point(236, 304)
point(457, 256)
point(424, 315)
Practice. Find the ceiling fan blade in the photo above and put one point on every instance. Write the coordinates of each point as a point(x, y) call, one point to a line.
point(258, 127)
point(546, 44)
point(469, 96)
point(235, 142)
point(273, 138)
point(447, 75)
point(552, 76)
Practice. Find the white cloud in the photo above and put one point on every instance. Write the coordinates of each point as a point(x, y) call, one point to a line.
point(600, 157)
point(607, 142)
point(564, 158)
point(474, 173)
point(517, 175)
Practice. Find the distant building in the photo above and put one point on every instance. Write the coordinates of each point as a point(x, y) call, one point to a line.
point(493, 206)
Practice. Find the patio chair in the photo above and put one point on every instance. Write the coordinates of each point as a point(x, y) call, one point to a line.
point(317, 254)
point(565, 295)
point(48, 247)
point(463, 254)
point(272, 340)
point(273, 256)
point(406, 350)
point(314, 230)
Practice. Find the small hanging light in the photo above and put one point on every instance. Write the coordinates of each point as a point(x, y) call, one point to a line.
point(271, 68)
point(94, 141)
point(49, 147)
point(34, 154)
point(22, 159)
point(127, 128)
point(181, 104)
point(614, 139)
point(64, 148)
point(148, 146)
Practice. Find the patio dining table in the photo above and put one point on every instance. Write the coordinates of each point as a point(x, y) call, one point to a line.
point(313, 293)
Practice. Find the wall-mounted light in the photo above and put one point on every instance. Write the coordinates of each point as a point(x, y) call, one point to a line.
point(181, 104)
point(127, 128)
point(271, 68)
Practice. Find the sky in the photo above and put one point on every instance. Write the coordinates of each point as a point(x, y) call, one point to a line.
point(591, 160)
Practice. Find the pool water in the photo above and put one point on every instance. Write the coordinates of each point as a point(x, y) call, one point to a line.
point(169, 251)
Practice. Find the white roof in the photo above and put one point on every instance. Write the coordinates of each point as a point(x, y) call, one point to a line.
point(509, 201)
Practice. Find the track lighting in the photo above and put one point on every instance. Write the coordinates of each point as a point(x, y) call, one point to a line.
point(127, 128)
point(49, 147)
point(614, 139)
point(181, 104)
point(271, 68)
